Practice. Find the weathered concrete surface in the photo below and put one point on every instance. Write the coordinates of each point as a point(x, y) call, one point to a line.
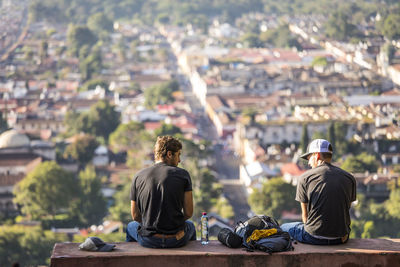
point(356, 253)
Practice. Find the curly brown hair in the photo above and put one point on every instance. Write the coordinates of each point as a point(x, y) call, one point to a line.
point(165, 144)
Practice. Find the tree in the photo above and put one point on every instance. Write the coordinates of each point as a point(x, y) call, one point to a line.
point(3, 123)
point(304, 139)
point(47, 190)
point(319, 61)
point(273, 198)
point(341, 144)
point(78, 36)
point(90, 65)
point(43, 53)
point(339, 26)
point(251, 40)
point(103, 119)
point(90, 208)
point(92, 84)
point(100, 121)
point(391, 27)
point(121, 210)
point(224, 209)
point(361, 163)
point(26, 245)
point(160, 94)
point(82, 150)
point(134, 139)
point(167, 129)
point(100, 23)
point(250, 113)
point(127, 136)
point(331, 137)
point(393, 203)
point(389, 50)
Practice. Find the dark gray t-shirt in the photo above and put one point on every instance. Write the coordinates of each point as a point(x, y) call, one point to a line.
point(329, 191)
point(159, 193)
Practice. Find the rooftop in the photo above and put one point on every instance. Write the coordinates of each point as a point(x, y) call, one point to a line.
point(356, 253)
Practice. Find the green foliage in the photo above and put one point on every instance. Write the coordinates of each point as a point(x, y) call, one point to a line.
point(43, 50)
point(374, 220)
point(273, 198)
point(391, 27)
point(304, 139)
point(361, 163)
point(45, 10)
point(91, 64)
point(47, 190)
point(121, 210)
point(3, 123)
point(82, 150)
point(280, 37)
point(127, 136)
point(167, 129)
point(342, 146)
point(339, 26)
point(111, 237)
point(132, 138)
point(26, 245)
point(99, 23)
point(251, 40)
point(224, 209)
point(331, 137)
point(92, 84)
point(101, 120)
point(250, 113)
point(319, 61)
point(393, 203)
point(78, 36)
point(390, 50)
point(90, 208)
point(160, 94)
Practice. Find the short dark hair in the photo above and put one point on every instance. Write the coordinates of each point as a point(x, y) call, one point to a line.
point(327, 155)
point(165, 144)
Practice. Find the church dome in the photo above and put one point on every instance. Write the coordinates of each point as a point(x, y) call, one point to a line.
point(12, 138)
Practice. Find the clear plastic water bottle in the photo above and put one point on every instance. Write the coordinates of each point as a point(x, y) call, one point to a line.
point(204, 229)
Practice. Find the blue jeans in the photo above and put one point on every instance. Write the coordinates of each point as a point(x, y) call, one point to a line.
point(132, 235)
point(296, 231)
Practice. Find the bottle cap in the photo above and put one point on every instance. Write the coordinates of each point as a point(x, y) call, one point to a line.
point(204, 213)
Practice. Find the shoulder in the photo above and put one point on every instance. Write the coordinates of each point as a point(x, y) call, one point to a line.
point(312, 173)
point(341, 171)
point(182, 171)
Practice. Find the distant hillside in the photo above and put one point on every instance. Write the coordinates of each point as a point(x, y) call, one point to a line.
point(191, 11)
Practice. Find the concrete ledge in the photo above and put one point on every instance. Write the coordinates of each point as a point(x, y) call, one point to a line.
point(356, 253)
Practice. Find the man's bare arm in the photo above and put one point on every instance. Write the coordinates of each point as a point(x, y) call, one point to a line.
point(188, 205)
point(304, 212)
point(136, 216)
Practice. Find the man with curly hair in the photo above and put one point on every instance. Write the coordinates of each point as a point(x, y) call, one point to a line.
point(162, 200)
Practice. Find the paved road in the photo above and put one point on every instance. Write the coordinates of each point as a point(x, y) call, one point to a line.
point(226, 164)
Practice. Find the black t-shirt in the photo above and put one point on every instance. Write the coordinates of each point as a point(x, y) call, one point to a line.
point(329, 191)
point(159, 193)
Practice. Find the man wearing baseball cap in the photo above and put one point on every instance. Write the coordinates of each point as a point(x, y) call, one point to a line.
point(325, 193)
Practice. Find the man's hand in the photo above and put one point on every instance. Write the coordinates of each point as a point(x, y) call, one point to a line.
point(136, 216)
point(188, 205)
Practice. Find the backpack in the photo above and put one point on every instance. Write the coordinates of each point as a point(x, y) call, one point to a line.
point(263, 233)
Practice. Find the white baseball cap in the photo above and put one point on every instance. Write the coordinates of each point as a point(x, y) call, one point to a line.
point(317, 146)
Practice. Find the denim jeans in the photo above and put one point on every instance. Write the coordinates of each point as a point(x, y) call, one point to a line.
point(132, 235)
point(296, 231)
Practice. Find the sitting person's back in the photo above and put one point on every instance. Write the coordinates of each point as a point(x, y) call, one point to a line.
point(325, 193)
point(162, 201)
